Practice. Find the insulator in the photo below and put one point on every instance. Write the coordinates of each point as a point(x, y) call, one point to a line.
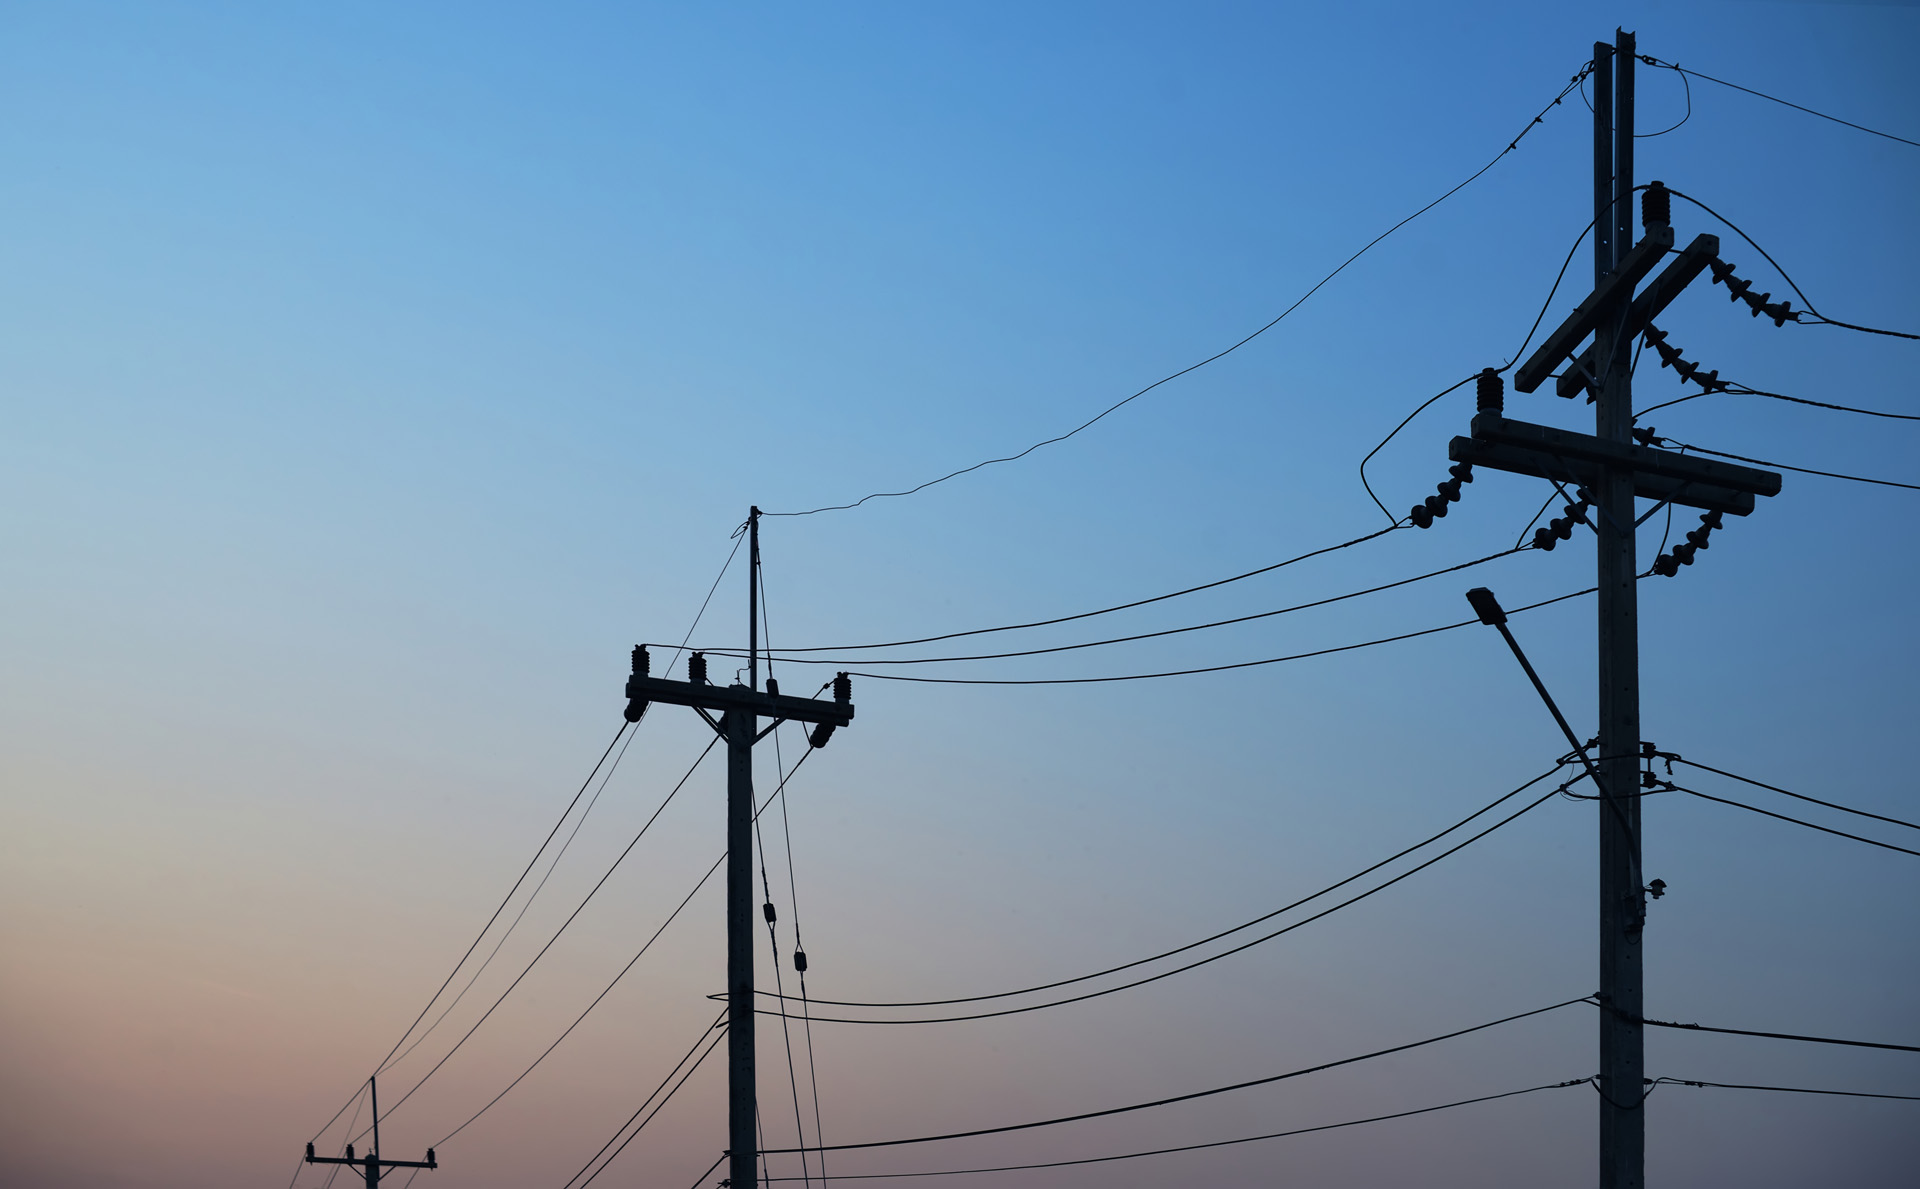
point(1577, 511)
point(1711, 520)
point(1782, 313)
point(821, 733)
point(773, 687)
point(1490, 391)
point(1722, 271)
point(1563, 529)
point(1421, 517)
point(309, 1152)
point(697, 668)
point(1647, 780)
point(1451, 490)
point(1684, 553)
point(1684, 368)
point(636, 709)
point(1665, 566)
point(349, 1151)
point(1759, 302)
point(842, 687)
point(431, 1162)
point(766, 910)
point(1462, 471)
point(1737, 288)
point(1656, 206)
point(800, 961)
point(1544, 539)
point(1436, 505)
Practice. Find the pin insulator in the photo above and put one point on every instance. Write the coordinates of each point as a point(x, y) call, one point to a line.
point(773, 687)
point(697, 668)
point(800, 961)
point(641, 661)
point(1490, 391)
point(309, 1153)
point(1420, 516)
point(766, 910)
point(349, 1151)
point(1656, 206)
point(431, 1162)
point(842, 687)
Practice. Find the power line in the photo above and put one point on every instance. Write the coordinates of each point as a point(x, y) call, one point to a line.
point(1273, 660)
point(1743, 390)
point(1684, 71)
point(1825, 1040)
point(718, 1035)
point(1796, 821)
point(571, 917)
point(1781, 1089)
point(1514, 144)
point(994, 656)
point(1013, 1011)
point(1158, 1102)
point(1804, 299)
point(1679, 759)
point(1801, 470)
point(1222, 1143)
point(1240, 928)
point(791, 654)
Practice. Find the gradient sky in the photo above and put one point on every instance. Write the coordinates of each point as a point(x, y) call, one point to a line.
point(375, 376)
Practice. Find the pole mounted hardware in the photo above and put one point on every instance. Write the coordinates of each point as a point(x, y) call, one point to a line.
point(739, 708)
point(372, 1166)
point(1599, 304)
point(1577, 459)
point(1688, 264)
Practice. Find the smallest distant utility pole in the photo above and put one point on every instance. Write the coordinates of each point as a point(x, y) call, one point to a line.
point(371, 1164)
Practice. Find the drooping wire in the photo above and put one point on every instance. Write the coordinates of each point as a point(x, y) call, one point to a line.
point(1198, 627)
point(1684, 72)
point(1220, 1143)
point(1246, 945)
point(1513, 145)
point(1796, 821)
point(1489, 807)
point(1804, 299)
point(1273, 660)
point(1774, 788)
point(1197, 1094)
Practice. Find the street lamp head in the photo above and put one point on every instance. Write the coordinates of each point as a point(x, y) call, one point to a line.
point(1486, 606)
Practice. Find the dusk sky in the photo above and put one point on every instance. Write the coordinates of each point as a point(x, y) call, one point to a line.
point(375, 376)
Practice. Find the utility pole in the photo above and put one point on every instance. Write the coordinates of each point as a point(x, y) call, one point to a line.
point(1623, 905)
point(1607, 470)
point(740, 708)
point(371, 1165)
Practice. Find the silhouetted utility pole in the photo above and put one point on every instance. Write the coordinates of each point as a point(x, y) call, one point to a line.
point(371, 1165)
point(740, 708)
point(1607, 470)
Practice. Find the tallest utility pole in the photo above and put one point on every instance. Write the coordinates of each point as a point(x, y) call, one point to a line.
point(1622, 900)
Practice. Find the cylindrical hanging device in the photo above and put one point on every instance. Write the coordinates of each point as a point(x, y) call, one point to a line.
point(1490, 392)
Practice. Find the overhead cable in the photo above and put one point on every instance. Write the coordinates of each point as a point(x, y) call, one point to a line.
point(1220, 1143)
point(1189, 1097)
point(1318, 285)
point(1825, 1040)
point(1197, 627)
point(1272, 660)
point(1800, 470)
point(1796, 821)
point(1240, 928)
point(1680, 759)
point(1246, 945)
point(1664, 1081)
point(718, 1034)
point(1684, 71)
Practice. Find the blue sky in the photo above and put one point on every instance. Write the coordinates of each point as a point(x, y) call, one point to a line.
point(376, 378)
